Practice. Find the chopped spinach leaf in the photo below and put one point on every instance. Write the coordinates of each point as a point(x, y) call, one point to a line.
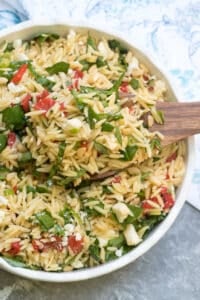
point(117, 242)
point(46, 37)
point(14, 117)
point(101, 148)
point(116, 46)
point(3, 141)
point(58, 67)
point(45, 220)
point(91, 42)
point(134, 83)
point(107, 127)
point(129, 152)
point(94, 251)
point(118, 135)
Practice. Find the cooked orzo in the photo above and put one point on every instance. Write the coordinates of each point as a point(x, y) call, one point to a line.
point(72, 107)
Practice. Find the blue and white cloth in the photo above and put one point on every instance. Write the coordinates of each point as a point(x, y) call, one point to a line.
point(169, 31)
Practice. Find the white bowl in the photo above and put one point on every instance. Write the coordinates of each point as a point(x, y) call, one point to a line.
point(27, 30)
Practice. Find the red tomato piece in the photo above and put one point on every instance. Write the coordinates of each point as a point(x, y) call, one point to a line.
point(145, 77)
point(35, 245)
point(173, 156)
point(131, 109)
point(42, 95)
point(155, 200)
point(117, 179)
point(25, 102)
point(167, 176)
point(146, 205)
point(167, 198)
point(85, 144)
point(150, 88)
point(75, 245)
point(19, 74)
point(56, 244)
point(63, 108)
point(11, 139)
point(78, 74)
point(124, 87)
point(15, 248)
point(44, 104)
point(15, 189)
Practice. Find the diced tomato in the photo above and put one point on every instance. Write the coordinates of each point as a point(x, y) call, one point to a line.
point(117, 179)
point(19, 74)
point(78, 74)
point(25, 102)
point(42, 95)
point(146, 205)
point(75, 245)
point(167, 176)
point(150, 88)
point(57, 244)
point(44, 104)
point(70, 87)
point(124, 87)
point(173, 156)
point(11, 139)
point(155, 200)
point(63, 108)
point(37, 245)
point(15, 189)
point(131, 109)
point(145, 77)
point(167, 198)
point(15, 248)
point(85, 144)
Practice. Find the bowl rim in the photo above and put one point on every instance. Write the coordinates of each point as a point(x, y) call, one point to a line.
point(160, 230)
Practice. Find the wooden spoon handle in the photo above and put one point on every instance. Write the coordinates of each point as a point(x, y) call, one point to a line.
point(181, 120)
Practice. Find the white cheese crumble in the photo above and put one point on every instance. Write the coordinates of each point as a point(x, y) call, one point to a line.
point(131, 236)
point(134, 64)
point(22, 57)
point(118, 252)
point(74, 123)
point(78, 236)
point(121, 211)
point(2, 215)
point(3, 200)
point(13, 88)
point(17, 43)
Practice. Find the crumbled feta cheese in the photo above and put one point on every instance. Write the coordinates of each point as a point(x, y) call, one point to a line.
point(69, 228)
point(17, 43)
point(70, 72)
point(102, 242)
point(22, 57)
point(131, 236)
point(78, 236)
point(2, 215)
point(3, 200)
point(71, 34)
point(134, 64)
point(13, 88)
point(65, 241)
point(74, 123)
point(104, 50)
point(77, 264)
point(121, 211)
point(118, 252)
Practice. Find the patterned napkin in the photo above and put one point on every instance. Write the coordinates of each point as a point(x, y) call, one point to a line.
point(169, 31)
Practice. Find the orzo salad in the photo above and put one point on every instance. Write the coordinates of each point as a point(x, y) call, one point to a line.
point(72, 107)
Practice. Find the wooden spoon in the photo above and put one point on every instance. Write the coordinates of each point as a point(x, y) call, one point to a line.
point(181, 120)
